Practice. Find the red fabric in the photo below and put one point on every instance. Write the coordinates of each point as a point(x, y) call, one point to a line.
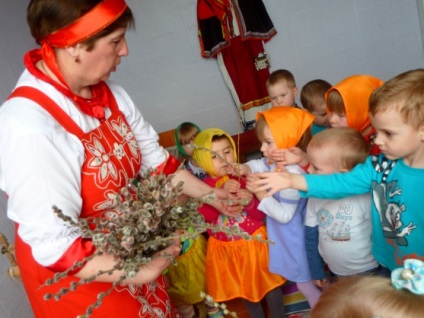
point(93, 106)
point(104, 172)
point(169, 166)
point(369, 138)
point(250, 219)
point(249, 83)
point(95, 20)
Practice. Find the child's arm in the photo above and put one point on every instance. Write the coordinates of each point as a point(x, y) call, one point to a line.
point(316, 263)
point(272, 182)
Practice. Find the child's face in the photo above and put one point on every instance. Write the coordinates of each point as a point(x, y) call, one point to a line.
point(320, 161)
point(268, 143)
point(320, 113)
point(337, 120)
point(223, 154)
point(281, 94)
point(397, 139)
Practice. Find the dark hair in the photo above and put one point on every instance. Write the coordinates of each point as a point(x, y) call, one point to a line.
point(312, 93)
point(47, 16)
point(280, 75)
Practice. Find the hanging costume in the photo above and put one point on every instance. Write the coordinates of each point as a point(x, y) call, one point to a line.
point(234, 32)
point(356, 91)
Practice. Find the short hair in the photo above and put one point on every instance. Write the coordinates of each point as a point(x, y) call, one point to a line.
point(404, 93)
point(335, 103)
point(47, 16)
point(303, 142)
point(346, 146)
point(281, 75)
point(187, 132)
point(367, 296)
point(312, 93)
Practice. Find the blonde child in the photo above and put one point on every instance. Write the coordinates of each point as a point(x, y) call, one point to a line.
point(235, 268)
point(374, 296)
point(281, 128)
point(312, 97)
point(184, 136)
point(339, 231)
point(282, 89)
point(394, 178)
point(347, 105)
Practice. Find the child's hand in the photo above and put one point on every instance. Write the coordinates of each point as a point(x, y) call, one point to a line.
point(251, 180)
point(289, 156)
point(231, 186)
point(321, 283)
point(245, 196)
point(238, 169)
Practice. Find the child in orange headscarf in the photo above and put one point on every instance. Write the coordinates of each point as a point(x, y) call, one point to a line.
point(235, 268)
point(282, 128)
point(347, 105)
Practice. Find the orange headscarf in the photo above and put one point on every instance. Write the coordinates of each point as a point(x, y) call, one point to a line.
point(356, 91)
point(287, 124)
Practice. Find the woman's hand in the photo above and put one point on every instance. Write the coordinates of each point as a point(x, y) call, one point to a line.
point(238, 169)
point(245, 196)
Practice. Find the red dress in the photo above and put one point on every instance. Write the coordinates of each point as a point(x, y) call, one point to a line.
point(112, 157)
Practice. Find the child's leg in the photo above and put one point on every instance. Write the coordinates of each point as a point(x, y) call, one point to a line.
point(187, 311)
point(275, 303)
point(310, 291)
point(255, 310)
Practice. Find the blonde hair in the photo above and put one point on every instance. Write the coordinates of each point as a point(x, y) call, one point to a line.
point(346, 146)
point(335, 103)
point(403, 93)
point(302, 144)
point(312, 94)
point(367, 297)
point(281, 75)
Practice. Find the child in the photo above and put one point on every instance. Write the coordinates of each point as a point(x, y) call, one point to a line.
point(394, 178)
point(312, 99)
point(184, 136)
point(235, 267)
point(373, 296)
point(282, 89)
point(347, 105)
point(339, 229)
point(280, 128)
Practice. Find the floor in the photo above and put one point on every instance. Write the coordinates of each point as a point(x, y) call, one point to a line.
point(237, 306)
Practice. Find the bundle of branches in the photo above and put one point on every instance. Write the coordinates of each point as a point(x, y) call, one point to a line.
point(150, 211)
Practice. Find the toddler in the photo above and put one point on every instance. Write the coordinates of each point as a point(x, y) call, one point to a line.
point(282, 89)
point(312, 97)
point(280, 128)
point(339, 229)
point(235, 268)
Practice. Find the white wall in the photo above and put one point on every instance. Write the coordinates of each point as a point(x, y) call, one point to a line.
point(171, 83)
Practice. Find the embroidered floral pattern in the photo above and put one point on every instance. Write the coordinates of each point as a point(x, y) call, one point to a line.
point(101, 159)
point(128, 136)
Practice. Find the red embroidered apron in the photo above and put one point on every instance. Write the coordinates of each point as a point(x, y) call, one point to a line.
point(112, 157)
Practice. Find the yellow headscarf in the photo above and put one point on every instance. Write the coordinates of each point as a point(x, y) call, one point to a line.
point(203, 140)
point(287, 124)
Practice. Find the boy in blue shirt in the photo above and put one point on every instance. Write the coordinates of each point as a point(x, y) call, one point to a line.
point(394, 178)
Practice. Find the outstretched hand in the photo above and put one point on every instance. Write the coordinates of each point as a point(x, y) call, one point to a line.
point(268, 183)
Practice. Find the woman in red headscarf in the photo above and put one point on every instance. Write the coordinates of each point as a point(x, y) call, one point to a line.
point(71, 138)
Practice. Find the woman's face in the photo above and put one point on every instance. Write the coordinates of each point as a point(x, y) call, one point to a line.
point(104, 58)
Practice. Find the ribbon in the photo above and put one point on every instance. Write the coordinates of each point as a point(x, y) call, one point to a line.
point(410, 276)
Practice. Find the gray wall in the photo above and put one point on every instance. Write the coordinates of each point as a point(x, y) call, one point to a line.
point(171, 83)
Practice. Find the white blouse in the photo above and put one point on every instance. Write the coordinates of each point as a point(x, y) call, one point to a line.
point(40, 164)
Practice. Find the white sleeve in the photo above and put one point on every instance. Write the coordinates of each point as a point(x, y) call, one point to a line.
point(283, 209)
point(152, 153)
point(311, 215)
point(40, 166)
